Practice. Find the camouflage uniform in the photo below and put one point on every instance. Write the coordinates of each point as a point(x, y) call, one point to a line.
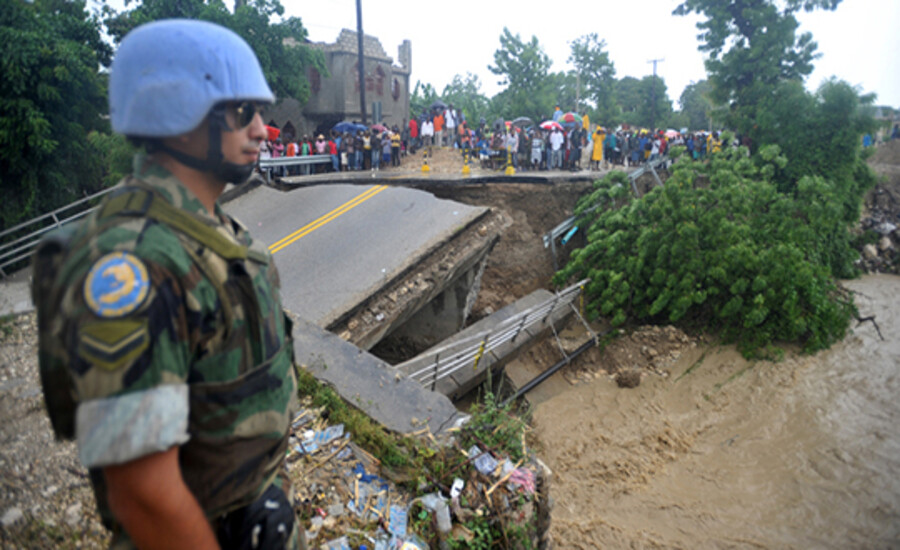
point(171, 339)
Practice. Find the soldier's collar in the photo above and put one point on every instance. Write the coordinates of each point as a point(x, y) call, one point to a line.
point(172, 189)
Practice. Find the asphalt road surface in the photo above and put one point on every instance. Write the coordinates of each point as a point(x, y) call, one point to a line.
point(336, 244)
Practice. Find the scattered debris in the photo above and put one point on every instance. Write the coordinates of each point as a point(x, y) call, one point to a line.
point(346, 499)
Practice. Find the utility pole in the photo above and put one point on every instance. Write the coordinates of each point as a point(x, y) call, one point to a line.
point(653, 91)
point(577, 92)
point(361, 62)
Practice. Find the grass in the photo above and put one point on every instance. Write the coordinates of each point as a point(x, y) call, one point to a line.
point(7, 324)
point(392, 450)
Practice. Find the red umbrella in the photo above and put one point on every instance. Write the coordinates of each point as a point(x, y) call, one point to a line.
point(551, 124)
point(273, 133)
point(379, 127)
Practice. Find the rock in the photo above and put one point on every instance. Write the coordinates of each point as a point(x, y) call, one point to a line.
point(482, 230)
point(885, 228)
point(346, 335)
point(885, 243)
point(870, 252)
point(73, 514)
point(353, 324)
point(652, 352)
point(51, 490)
point(11, 516)
point(628, 379)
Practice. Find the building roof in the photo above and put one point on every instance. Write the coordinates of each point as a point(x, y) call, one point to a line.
point(347, 43)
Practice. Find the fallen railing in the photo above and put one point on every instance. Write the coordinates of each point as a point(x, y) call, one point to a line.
point(565, 230)
point(468, 352)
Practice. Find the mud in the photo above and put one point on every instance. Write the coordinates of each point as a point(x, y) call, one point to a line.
point(712, 451)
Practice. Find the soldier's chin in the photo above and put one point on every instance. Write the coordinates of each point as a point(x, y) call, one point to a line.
point(236, 174)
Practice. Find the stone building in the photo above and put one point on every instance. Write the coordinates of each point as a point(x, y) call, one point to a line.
point(336, 97)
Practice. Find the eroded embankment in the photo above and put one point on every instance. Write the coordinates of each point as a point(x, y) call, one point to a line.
point(803, 453)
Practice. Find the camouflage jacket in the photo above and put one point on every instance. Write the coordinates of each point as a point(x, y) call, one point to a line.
point(171, 341)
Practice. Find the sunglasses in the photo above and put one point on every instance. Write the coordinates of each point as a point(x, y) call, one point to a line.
point(244, 113)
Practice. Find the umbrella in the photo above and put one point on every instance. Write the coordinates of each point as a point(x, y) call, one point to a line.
point(551, 124)
point(273, 133)
point(438, 104)
point(379, 127)
point(347, 126)
point(522, 121)
point(670, 133)
point(570, 117)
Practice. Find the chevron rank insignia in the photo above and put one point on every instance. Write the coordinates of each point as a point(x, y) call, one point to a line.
point(114, 343)
point(116, 285)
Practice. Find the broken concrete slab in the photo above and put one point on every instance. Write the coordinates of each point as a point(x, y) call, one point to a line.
point(368, 383)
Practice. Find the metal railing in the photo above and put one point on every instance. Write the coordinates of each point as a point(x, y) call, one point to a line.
point(302, 160)
point(468, 352)
point(20, 249)
point(564, 228)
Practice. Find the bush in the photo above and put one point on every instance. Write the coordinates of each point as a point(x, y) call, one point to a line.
point(720, 247)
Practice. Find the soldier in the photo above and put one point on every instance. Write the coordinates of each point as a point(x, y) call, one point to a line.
point(164, 349)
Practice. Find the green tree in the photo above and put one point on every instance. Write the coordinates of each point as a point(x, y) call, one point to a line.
point(598, 77)
point(280, 47)
point(628, 98)
point(465, 93)
point(655, 107)
point(421, 98)
point(51, 95)
point(523, 68)
point(718, 247)
point(697, 105)
point(752, 45)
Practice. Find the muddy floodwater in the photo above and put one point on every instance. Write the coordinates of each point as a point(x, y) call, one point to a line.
point(802, 453)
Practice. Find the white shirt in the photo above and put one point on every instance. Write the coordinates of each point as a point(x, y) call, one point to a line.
point(450, 119)
point(428, 128)
point(556, 140)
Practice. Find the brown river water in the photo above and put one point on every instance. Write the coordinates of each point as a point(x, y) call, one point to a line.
point(801, 453)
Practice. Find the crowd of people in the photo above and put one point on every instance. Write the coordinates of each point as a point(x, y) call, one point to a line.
point(369, 149)
point(566, 141)
point(563, 142)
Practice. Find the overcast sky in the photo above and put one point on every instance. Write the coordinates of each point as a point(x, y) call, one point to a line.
point(859, 42)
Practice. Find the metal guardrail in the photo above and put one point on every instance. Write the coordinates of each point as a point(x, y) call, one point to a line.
point(467, 353)
point(303, 160)
point(21, 248)
point(566, 226)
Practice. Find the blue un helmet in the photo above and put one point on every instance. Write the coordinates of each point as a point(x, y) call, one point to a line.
point(169, 75)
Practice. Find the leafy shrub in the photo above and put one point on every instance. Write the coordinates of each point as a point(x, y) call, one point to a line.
point(720, 247)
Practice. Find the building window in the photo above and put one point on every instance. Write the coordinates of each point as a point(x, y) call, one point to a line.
point(395, 89)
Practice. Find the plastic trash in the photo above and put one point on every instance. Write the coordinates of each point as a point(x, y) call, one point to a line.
point(483, 461)
point(397, 525)
point(412, 542)
point(438, 504)
point(524, 479)
point(457, 487)
point(342, 543)
point(312, 441)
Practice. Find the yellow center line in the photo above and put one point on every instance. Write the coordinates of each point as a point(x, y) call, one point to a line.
point(312, 226)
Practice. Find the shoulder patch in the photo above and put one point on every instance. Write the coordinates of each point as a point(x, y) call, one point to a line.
point(116, 285)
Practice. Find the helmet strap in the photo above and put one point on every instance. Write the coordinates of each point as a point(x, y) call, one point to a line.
point(214, 163)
